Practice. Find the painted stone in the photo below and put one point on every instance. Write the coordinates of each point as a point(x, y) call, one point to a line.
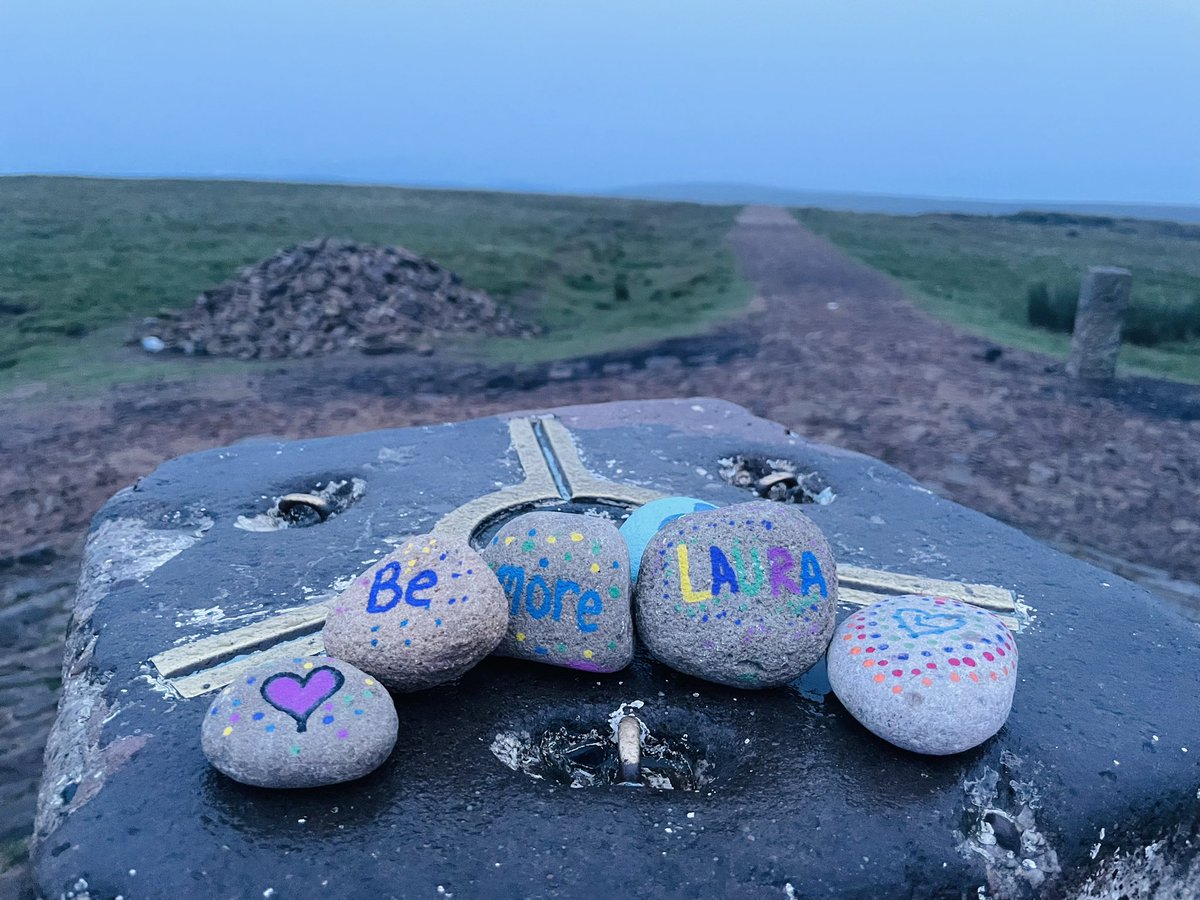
point(421, 616)
point(646, 521)
point(566, 578)
point(931, 675)
point(300, 722)
point(744, 595)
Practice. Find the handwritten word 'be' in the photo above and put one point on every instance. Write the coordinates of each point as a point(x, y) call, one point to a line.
point(588, 603)
point(736, 577)
point(388, 579)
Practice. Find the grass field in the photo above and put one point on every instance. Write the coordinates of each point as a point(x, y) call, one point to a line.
point(976, 271)
point(82, 260)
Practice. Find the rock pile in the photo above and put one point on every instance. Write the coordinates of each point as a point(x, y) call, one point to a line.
point(327, 295)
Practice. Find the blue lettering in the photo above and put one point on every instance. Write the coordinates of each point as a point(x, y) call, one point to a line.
point(536, 583)
point(722, 572)
point(385, 579)
point(512, 579)
point(561, 588)
point(810, 574)
point(590, 604)
point(422, 581)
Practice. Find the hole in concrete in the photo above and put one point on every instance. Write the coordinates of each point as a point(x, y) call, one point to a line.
point(306, 505)
point(781, 480)
point(580, 757)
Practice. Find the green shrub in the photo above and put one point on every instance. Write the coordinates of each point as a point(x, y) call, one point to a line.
point(1153, 321)
point(1054, 311)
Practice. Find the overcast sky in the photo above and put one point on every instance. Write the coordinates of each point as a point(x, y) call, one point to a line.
point(1074, 100)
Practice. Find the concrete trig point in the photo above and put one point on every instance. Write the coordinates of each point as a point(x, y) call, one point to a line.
point(1099, 760)
point(1096, 341)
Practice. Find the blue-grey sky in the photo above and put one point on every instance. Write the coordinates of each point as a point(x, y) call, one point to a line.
point(1075, 100)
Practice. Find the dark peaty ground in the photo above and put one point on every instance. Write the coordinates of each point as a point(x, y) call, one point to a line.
point(832, 349)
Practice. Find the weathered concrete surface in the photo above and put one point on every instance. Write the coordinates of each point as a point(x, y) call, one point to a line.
point(1101, 756)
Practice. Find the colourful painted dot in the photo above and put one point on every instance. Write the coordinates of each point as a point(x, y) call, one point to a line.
point(879, 678)
point(543, 562)
point(867, 663)
point(358, 712)
point(968, 661)
point(407, 642)
point(214, 710)
point(614, 592)
point(896, 689)
point(897, 672)
point(587, 654)
point(927, 681)
point(236, 703)
point(235, 718)
point(552, 540)
point(308, 665)
point(931, 665)
point(343, 734)
point(257, 716)
point(374, 642)
point(533, 532)
point(295, 750)
point(227, 732)
point(854, 651)
point(955, 677)
point(576, 536)
point(612, 645)
point(953, 661)
point(369, 682)
point(616, 564)
point(988, 656)
point(508, 540)
point(251, 680)
point(520, 635)
point(915, 672)
point(595, 568)
point(269, 729)
point(527, 546)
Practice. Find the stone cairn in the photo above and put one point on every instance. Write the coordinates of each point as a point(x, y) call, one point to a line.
point(329, 295)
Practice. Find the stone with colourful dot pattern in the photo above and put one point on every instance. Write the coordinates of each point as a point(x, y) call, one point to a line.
point(299, 722)
point(421, 616)
point(929, 674)
point(567, 581)
point(743, 595)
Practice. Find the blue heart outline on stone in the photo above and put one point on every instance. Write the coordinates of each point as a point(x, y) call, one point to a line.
point(922, 619)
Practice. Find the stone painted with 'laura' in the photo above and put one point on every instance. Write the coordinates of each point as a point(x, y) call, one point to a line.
point(743, 595)
point(420, 617)
point(299, 722)
point(566, 578)
point(646, 521)
point(929, 674)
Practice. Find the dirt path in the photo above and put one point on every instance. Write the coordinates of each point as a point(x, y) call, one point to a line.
point(832, 349)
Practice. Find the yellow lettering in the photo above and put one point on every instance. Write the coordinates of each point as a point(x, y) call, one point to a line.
point(685, 579)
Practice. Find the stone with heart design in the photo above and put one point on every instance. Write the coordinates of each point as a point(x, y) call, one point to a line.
point(929, 674)
point(300, 722)
point(921, 623)
point(421, 616)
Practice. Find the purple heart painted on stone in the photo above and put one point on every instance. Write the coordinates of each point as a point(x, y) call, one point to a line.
point(299, 696)
point(919, 623)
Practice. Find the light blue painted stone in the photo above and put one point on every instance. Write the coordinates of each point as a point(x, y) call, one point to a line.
point(645, 522)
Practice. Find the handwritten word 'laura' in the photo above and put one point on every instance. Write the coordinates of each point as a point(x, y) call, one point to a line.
point(781, 565)
point(540, 600)
point(387, 579)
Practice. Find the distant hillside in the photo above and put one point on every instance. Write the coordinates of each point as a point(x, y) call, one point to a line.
point(893, 204)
